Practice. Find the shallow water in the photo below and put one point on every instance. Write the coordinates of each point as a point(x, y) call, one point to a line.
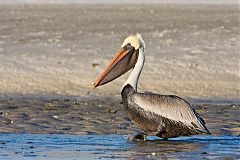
point(55, 146)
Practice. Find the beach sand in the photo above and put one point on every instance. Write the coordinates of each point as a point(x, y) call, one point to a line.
point(191, 50)
point(50, 56)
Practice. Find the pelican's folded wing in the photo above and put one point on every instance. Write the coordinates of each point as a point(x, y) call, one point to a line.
point(171, 107)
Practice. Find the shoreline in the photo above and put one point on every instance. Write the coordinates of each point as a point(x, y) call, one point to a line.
point(193, 101)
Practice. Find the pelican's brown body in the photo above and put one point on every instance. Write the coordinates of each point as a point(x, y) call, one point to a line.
point(165, 116)
point(154, 124)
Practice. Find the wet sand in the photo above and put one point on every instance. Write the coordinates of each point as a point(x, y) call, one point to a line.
point(96, 116)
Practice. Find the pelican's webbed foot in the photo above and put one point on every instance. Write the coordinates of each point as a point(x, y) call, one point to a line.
point(138, 137)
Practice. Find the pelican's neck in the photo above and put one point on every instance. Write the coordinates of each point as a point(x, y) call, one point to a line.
point(135, 74)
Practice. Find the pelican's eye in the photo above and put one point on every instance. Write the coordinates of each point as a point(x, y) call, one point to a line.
point(128, 44)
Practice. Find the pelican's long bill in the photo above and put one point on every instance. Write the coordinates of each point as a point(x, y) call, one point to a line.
point(123, 61)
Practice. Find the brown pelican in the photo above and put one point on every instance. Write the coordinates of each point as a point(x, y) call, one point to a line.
point(165, 116)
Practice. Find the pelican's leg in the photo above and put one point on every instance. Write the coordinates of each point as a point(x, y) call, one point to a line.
point(161, 130)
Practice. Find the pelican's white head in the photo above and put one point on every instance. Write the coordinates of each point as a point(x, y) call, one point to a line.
point(136, 41)
point(126, 58)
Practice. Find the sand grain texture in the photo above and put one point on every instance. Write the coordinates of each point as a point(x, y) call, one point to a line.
point(191, 50)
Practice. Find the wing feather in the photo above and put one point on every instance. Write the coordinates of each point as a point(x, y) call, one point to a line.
point(170, 107)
